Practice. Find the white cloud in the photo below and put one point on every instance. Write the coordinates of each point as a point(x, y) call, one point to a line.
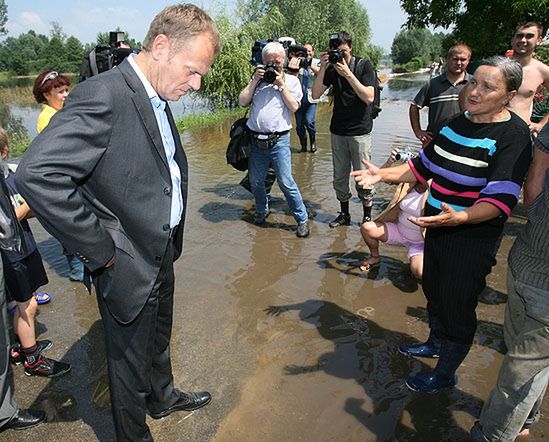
point(27, 20)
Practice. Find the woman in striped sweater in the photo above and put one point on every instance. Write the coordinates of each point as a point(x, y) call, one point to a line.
point(477, 163)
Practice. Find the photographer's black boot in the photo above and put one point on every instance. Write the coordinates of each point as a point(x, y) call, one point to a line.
point(303, 141)
point(313, 144)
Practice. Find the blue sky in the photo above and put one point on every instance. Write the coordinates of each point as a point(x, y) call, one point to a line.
point(85, 18)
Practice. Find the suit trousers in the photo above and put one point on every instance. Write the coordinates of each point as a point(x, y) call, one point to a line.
point(138, 356)
point(8, 408)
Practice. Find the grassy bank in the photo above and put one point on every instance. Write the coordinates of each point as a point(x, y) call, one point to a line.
point(202, 120)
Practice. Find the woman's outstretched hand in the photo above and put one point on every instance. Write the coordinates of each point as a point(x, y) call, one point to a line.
point(366, 178)
point(448, 217)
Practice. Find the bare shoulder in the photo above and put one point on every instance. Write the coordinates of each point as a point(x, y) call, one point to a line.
point(541, 67)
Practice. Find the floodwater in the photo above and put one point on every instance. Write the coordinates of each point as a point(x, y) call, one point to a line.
point(291, 339)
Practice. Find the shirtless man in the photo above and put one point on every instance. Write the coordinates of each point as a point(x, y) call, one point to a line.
point(527, 38)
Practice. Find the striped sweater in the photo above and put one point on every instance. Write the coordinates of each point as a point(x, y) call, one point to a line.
point(471, 163)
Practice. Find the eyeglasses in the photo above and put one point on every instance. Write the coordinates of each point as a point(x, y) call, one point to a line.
point(51, 76)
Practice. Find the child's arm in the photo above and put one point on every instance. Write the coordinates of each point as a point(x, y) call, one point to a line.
point(23, 212)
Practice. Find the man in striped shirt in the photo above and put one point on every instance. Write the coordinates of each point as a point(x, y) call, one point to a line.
point(514, 404)
point(441, 94)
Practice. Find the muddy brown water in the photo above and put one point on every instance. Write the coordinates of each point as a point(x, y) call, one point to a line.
point(294, 343)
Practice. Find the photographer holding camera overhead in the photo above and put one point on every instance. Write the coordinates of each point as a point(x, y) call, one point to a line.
point(274, 97)
point(352, 80)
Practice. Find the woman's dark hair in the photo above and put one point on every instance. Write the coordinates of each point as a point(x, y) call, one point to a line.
point(509, 67)
point(46, 81)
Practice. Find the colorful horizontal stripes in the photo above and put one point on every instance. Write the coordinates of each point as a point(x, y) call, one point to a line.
point(484, 143)
point(443, 190)
point(496, 187)
point(432, 201)
point(459, 158)
point(450, 175)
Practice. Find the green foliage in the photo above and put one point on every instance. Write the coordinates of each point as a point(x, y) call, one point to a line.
point(3, 17)
point(374, 54)
point(231, 70)
point(74, 54)
point(542, 53)
point(54, 55)
point(485, 25)
point(17, 133)
point(307, 21)
point(419, 43)
point(201, 120)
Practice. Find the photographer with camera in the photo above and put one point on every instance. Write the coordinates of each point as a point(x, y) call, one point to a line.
point(305, 117)
point(274, 96)
point(352, 80)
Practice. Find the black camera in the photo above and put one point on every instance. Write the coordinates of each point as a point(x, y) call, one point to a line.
point(305, 62)
point(270, 72)
point(335, 55)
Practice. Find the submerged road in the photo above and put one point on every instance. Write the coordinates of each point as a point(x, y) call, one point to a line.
point(294, 343)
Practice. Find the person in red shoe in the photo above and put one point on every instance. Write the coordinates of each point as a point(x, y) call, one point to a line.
point(11, 416)
point(24, 274)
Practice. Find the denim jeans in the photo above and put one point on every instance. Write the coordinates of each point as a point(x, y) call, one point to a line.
point(305, 121)
point(515, 401)
point(279, 157)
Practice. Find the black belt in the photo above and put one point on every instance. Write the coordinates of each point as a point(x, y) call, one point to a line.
point(256, 134)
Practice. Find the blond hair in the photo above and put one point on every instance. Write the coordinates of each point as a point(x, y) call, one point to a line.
point(181, 23)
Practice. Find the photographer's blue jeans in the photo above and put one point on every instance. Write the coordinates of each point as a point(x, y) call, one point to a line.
point(279, 157)
point(305, 121)
point(523, 376)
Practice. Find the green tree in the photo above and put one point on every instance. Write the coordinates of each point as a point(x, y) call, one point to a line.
point(74, 53)
point(231, 70)
point(415, 43)
point(485, 25)
point(374, 53)
point(19, 55)
point(54, 55)
point(308, 21)
point(3, 17)
point(57, 32)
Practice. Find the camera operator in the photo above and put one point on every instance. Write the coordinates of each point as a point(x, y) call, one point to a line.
point(306, 115)
point(274, 96)
point(352, 80)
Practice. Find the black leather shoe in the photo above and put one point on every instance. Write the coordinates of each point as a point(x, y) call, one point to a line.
point(24, 419)
point(313, 148)
point(343, 219)
point(186, 402)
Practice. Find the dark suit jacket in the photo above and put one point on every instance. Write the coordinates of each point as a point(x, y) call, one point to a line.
point(97, 178)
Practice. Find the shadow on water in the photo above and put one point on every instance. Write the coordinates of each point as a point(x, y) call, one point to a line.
point(367, 353)
point(83, 393)
point(392, 269)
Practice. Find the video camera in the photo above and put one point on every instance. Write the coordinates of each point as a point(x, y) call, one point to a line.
point(104, 57)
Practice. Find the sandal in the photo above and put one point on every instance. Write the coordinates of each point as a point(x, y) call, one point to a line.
point(366, 266)
point(42, 297)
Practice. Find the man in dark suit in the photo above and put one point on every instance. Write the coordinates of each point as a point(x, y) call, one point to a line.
point(108, 178)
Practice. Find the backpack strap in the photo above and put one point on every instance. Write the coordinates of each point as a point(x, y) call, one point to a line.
point(93, 63)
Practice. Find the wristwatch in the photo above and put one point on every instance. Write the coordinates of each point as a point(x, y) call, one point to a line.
point(281, 88)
